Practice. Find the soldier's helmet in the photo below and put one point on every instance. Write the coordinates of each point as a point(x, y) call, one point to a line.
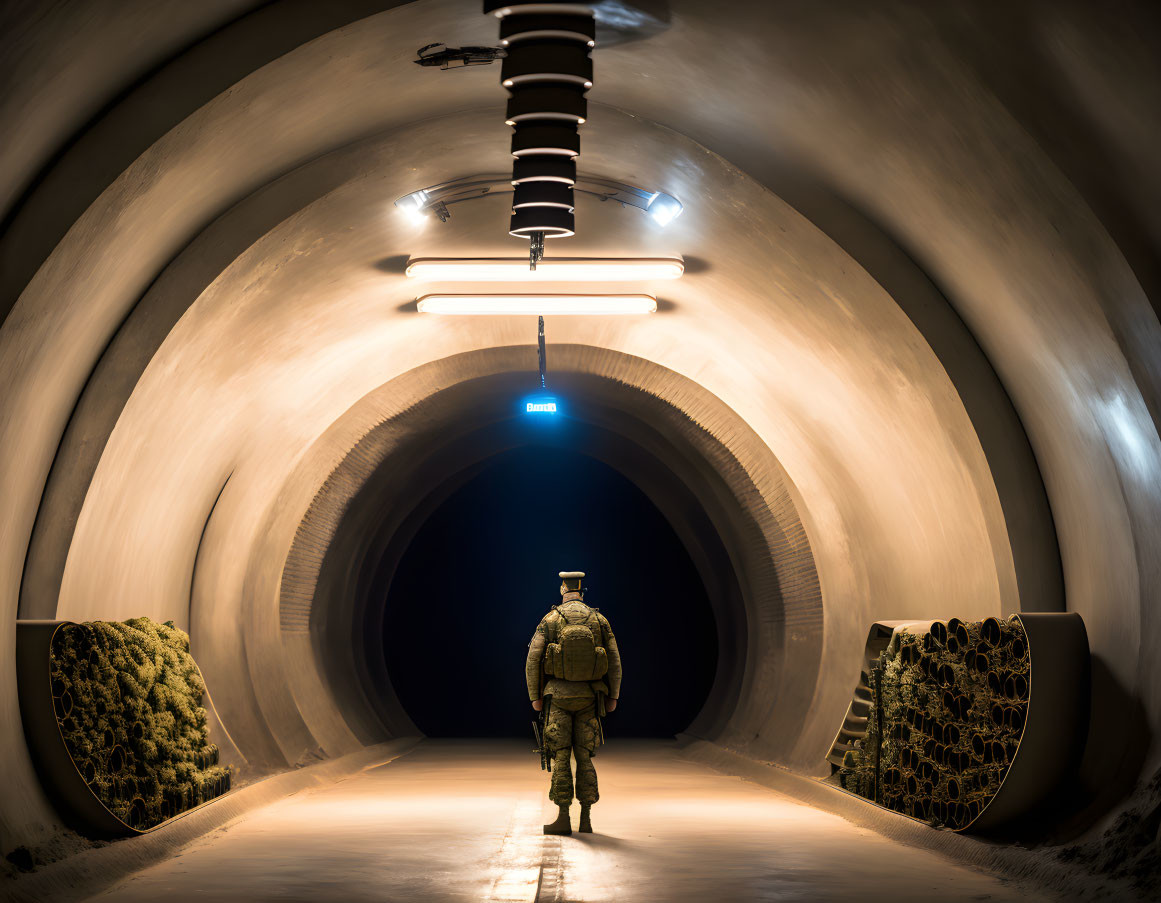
point(571, 581)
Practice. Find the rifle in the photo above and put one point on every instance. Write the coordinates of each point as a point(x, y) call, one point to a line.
point(539, 729)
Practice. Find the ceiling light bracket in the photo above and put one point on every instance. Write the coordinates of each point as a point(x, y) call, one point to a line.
point(470, 188)
point(439, 54)
point(543, 355)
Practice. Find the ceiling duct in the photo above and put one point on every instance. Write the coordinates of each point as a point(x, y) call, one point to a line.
point(537, 138)
point(545, 221)
point(542, 194)
point(544, 169)
point(547, 71)
point(554, 102)
point(530, 26)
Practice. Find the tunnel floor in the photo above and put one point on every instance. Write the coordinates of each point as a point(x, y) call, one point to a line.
point(460, 820)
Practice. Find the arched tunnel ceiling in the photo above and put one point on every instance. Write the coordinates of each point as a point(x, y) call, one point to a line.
point(236, 290)
point(324, 325)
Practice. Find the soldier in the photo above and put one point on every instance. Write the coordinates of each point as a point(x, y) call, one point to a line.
point(574, 668)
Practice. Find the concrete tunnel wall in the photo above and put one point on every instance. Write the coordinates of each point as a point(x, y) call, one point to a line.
point(920, 296)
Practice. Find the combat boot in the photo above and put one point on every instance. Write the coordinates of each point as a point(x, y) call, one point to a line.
point(586, 826)
point(562, 825)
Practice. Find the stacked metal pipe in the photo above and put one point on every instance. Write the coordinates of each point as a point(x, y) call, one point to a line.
point(947, 714)
point(128, 701)
point(547, 71)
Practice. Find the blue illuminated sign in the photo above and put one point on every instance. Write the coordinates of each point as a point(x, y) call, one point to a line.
point(540, 404)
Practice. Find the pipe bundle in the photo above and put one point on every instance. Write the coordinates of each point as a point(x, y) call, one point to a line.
point(947, 712)
point(128, 700)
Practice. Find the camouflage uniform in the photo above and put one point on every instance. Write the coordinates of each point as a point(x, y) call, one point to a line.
point(573, 728)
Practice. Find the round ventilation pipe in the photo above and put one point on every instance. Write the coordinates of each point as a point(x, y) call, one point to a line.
point(501, 9)
point(548, 138)
point(543, 169)
point(547, 71)
point(531, 62)
point(554, 222)
point(552, 102)
point(545, 26)
point(543, 194)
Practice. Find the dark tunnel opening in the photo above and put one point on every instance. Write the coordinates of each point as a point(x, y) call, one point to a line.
point(468, 594)
point(372, 506)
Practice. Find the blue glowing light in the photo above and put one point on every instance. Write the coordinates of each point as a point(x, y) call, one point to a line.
point(540, 404)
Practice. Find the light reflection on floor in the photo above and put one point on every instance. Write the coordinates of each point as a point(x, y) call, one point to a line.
point(519, 859)
point(461, 821)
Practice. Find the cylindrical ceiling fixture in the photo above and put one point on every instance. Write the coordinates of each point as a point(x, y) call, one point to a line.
point(542, 194)
point(535, 139)
point(554, 222)
point(547, 102)
point(543, 169)
point(547, 71)
point(540, 61)
point(547, 26)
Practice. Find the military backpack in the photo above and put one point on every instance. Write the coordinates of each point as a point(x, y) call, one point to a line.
point(576, 653)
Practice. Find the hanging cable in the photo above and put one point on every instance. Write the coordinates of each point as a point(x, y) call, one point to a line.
point(543, 357)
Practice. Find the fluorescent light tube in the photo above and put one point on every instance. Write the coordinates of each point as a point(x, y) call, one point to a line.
point(549, 269)
point(570, 305)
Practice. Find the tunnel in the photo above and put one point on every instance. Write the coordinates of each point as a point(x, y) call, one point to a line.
point(605, 516)
point(907, 378)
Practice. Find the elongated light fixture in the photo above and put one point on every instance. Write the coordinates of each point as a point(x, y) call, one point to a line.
point(549, 269)
point(544, 305)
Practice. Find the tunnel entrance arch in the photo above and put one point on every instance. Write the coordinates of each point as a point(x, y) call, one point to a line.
point(391, 507)
point(718, 485)
point(460, 603)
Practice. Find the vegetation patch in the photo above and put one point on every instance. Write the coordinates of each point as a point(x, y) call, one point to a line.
point(947, 712)
point(128, 699)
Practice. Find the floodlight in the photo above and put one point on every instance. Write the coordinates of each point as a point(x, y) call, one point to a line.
point(414, 204)
point(664, 208)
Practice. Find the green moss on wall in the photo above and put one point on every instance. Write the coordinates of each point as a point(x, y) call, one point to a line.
point(128, 700)
point(947, 712)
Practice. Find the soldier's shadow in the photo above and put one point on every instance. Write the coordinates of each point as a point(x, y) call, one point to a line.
point(604, 841)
